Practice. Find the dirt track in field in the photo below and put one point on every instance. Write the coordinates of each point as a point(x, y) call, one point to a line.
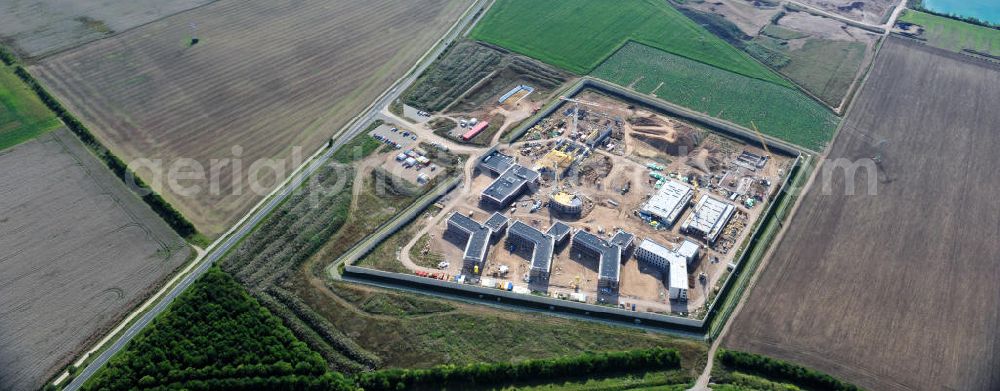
point(899, 290)
point(38, 27)
point(77, 251)
point(265, 76)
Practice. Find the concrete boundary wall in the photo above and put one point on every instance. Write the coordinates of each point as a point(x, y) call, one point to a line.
point(721, 126)
point(528, 300)
point(605, 313)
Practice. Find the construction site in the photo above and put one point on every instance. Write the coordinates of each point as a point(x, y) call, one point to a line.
point(607, 203)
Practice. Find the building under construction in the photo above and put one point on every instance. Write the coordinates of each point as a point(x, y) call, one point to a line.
point(709, 218)
point(566, 204)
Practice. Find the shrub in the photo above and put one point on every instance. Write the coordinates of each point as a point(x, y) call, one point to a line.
point(781, 371)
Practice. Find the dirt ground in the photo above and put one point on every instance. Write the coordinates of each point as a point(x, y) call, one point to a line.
point(77, 250)
point(680, 148)
point(298, 75)
point(867, 11)
point(896, 289)
point(40, 27)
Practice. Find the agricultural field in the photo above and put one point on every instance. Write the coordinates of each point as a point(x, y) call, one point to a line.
point(579, 35)
point(886, 277)
point(949, 34)
point(79, 250)
point(778, 111)
point(476, 71)
point(303, 71)
point(36, 28)
point(22, 115)
point(821, 54)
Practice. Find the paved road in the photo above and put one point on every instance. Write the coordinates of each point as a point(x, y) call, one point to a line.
point(265, 209)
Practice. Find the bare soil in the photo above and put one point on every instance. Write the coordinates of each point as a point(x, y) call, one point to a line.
point(267, 76)
point(867, 11)
point(44, 26)
point(896, 290)
point(77, 250)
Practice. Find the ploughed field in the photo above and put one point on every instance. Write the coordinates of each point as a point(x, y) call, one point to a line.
point(898, 290)
point(266, 76)
point(43, 26)
point(77, 250)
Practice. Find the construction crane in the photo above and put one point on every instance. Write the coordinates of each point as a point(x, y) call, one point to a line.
point(761, 136)
point(576, 108)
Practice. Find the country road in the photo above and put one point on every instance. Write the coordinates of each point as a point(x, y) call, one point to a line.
point(227, 242)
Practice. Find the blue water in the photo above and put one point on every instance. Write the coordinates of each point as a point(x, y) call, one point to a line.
point(988, 10)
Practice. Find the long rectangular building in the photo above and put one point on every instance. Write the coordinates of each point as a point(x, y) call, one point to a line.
point(709, 218)
point(668, 203)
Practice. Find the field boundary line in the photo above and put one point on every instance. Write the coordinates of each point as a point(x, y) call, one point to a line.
point(55, 52)
point(323, 153)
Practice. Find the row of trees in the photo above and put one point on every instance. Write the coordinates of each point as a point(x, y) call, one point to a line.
point(484, 374)
point(7, 57)
point(778, 370)
point(178, 222)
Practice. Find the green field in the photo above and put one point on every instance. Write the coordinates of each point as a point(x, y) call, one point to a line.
point(22, 115)
point(578, 35)
point(778, 111)
point(953, 34)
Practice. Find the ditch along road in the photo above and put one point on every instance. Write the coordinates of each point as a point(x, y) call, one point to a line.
point(229, 240)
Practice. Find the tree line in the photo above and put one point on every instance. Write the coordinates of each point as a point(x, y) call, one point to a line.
point(173, 218)
point(778, 370)
point(487, 374)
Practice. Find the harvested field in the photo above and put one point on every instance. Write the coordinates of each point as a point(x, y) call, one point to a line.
point(44, 26)
point(78, 251)
point(297, 76)
point(896, 291)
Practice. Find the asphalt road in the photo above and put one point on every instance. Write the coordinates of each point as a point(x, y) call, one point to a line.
point(264, 210)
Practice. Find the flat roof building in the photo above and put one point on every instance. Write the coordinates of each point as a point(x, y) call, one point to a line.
point(709, 218)
point(506, 188)
point(496, 162)
point(668, 261)
point(559, 231)
point(541, 245)
point(609, 256)
point(678, 286)
point(688, 250)
point(476, 236)
point(668, 203)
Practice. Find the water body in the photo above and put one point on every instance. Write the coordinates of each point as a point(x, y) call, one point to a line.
point(988, 10)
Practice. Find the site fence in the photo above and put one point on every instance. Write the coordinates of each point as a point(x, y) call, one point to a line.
point(485, 294)
point(392, 226)
point(718, 311)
